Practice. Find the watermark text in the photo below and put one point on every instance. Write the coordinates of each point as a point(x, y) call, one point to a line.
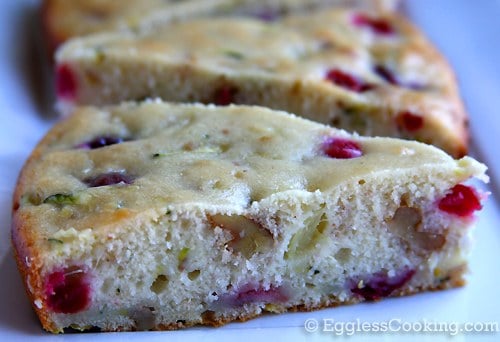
point(398, 325)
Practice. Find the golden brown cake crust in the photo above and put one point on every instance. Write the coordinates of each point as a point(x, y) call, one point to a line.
point(24, 238)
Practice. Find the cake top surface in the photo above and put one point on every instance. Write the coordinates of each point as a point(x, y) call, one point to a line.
point(67, 19)
point(384, 52)
point(80, 17)
point(101, 165)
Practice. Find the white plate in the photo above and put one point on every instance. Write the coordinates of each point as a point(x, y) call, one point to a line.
point(466, 33)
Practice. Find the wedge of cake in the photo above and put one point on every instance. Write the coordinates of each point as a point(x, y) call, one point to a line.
point(374, 75)
point(63, 19)
point(159, 216)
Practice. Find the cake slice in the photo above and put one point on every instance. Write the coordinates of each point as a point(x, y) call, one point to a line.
point(374, 75)
point(159, 216)
point(63, 19)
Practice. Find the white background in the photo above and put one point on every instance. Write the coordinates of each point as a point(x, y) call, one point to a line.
point(468, 34)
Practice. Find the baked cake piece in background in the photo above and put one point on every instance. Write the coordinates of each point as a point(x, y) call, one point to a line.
point(377, 76)
point(159, 216)
point(63, 19)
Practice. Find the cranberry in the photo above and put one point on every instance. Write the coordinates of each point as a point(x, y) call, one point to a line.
point(267, 14)
point(348, 81)
point(379, 26)
point(65, 82)
point(391, 78)
point(386, 74)
point(250, 295)
point(342, 148)
point(409, 122)
point(462, 200)
point(100, 142)
point(68, 290)
point(109, 178)
point(380, 285)
point(224, 95)
point(414, 86)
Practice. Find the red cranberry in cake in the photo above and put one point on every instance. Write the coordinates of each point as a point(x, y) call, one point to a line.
point(386, 74)
point(110, 178)
point(341, 148)
point(390, 77)
point(348, 81)
point(414, 85)
point(66, 84)
point(377, 25)
point(224, 95)
point(462, 201)
point(266, 14)
point(409, 121)
point(250, 295)
point(380, 284)
point(68, 290)
point(101, 141)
